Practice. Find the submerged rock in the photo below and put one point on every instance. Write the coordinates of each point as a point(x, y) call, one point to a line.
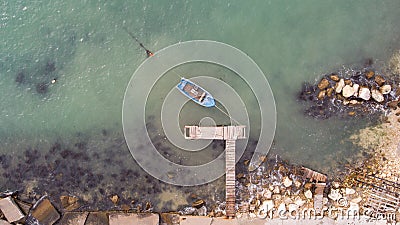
point(321, 95)
point(42, 88)
point(324, 83)
point(369, 74)
point(350, 94)
point(20, 78)
point(379, 80)
point(334, 77)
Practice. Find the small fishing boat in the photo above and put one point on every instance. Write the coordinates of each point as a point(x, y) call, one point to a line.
point(196, 93)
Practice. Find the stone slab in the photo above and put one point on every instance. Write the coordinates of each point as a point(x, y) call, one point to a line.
point(134, 219)
point(44, 212)
point(24, 206)
point(259, 221)
point(73, 218)
point(195, 220)
point(3, 222)
point(10, 210)
point(97, 218)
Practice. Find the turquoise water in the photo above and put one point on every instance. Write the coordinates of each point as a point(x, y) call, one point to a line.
point(83, 45)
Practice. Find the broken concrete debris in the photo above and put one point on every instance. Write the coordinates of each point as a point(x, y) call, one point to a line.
point(69, 203)
point(43, 213)
point(74, 218)
point(11, 210)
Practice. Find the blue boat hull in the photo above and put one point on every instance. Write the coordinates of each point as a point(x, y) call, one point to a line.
point(196, 93)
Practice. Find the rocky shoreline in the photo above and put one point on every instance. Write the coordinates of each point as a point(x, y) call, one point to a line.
point(275, 190)
point(351, 92)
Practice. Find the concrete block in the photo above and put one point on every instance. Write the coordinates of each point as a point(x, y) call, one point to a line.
point(259, 221)
point(73, 218)
point(195, 220)
point(134, 219)
point(97, 218)
point(3, 222)
point(10, 210)
point(43, 212)
point(223, 221)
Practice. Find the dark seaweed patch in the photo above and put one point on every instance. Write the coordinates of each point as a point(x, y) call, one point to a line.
point(20, 78)
point(42, 88)
point(50, 67)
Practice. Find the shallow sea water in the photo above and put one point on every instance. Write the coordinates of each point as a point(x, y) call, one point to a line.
point(75, 126)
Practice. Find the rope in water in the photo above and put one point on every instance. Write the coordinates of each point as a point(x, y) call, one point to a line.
point(149, 54)
point(226, 114)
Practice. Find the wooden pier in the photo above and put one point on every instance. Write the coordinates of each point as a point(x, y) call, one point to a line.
point(230, 134)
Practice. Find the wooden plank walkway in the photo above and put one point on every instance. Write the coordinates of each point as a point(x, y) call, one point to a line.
point(230, 134)
point(230, 177)
point(215, 133)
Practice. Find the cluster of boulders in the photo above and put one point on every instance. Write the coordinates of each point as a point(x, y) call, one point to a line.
point(282, 191)
point(351, 91)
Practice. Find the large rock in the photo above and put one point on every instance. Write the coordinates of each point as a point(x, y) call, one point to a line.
point(339, 86)
point(329, 92)
point(369, 74)
point(356, 87)
point(348, 91)
point(364, 93)
point(10, 210)
point(44, 212)
point(287, 182)
point(385, 89)
point(334, 77)
point(321, 95)
point(324, 83)
point(308, 194)
point(377, 95)
point(379, 80)
point(335, 194)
